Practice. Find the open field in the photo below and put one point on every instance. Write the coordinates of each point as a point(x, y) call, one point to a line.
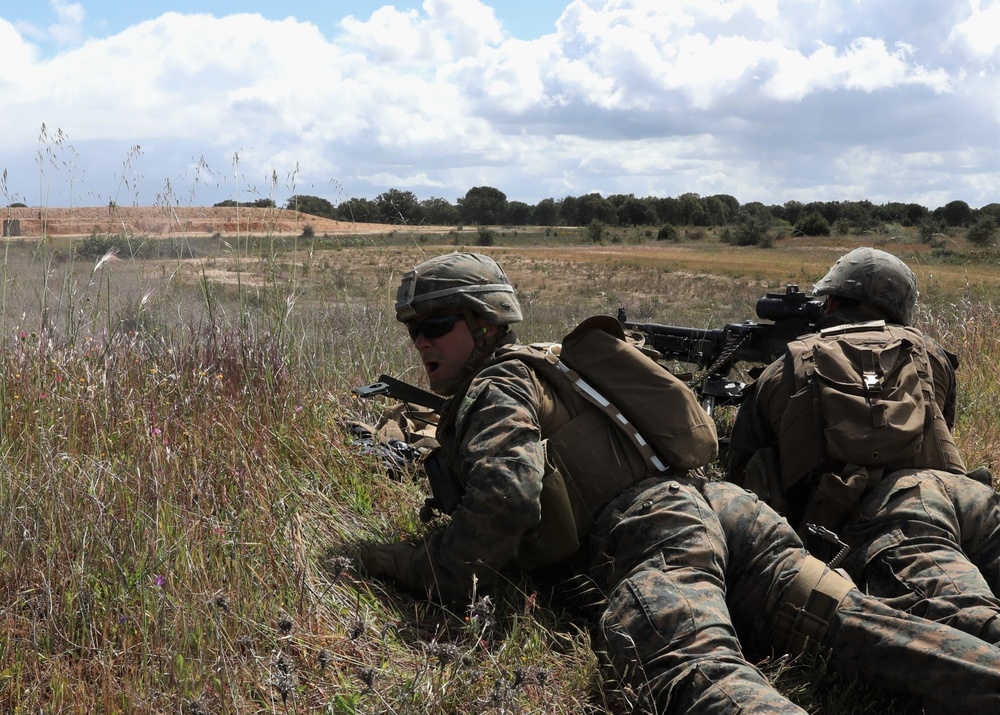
point(167, 220)
point(178, 490)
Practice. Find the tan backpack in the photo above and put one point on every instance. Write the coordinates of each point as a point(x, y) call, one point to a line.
point(864, 405)
point(659, 413)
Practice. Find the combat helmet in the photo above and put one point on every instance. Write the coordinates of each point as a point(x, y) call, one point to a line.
point(875, 277)
point(467, 281)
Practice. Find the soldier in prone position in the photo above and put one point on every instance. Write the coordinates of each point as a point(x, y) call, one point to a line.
point(693, 570)
point(875, 462)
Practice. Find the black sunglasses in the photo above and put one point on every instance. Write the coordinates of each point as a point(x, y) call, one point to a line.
point(434, 326)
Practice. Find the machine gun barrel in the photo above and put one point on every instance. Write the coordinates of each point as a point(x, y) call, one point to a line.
point(690, 345)
point(397, 389)
point(716, 350)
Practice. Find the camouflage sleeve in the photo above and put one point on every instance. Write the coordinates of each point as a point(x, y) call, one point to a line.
point(503, 461)
point(944, 366)
point(755, 425)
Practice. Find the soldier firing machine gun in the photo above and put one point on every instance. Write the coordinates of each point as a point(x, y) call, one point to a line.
point(716, 351)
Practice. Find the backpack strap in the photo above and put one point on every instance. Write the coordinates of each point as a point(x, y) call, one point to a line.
point(802, 352)
point(940, 448)
point(592, 395)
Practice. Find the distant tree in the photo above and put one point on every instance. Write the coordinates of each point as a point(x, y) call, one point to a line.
point(860, 214)
point(545, 213)
point(989, 211)
point(439, 212)
point(18, 205)
point(594, 207)
point(791, 212)
point(830, 210)
point(954, 213)
point(841, 227)
point(518, 213)
point(258, 203)
point(667, 233)
point(929, 228)
point(915, 214)
point(483, 205)
point(892, 212)
point(669, 210)
point(731, 207)
point(486, 236)
point(313, 205)
point(359, 210)
point(751, 227)
point(983, 233)
point(632, 211)
point(758, 211)
point(395, 206)
point(596, 229)
point(692, 210)
point(569, 211)
point(813, 224)
point(715, 211)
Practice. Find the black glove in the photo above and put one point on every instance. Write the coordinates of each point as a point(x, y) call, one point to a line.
point(393, 562)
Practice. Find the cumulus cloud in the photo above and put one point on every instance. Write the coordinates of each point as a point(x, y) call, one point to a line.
point(66, 30)
point(767, 101)
point(980, 32)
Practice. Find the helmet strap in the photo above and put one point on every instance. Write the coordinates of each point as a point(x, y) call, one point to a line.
point(486, 344)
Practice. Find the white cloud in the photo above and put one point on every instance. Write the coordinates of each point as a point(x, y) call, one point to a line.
point(68, 28)
point(630, 96)
point(866, 65)
point(451, 30)
point(980, 32)
point(16, 56)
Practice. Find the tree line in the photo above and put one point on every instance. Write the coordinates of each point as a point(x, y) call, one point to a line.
point(488, 206)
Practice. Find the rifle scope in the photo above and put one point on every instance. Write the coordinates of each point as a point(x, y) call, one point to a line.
point(790, 305)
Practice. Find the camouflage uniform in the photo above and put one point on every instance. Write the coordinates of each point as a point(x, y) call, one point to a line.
point(697, 570)
point(927, 541)
point(690, 567)
point(924, 539)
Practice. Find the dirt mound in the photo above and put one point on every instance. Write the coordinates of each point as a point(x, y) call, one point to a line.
point(178, 221)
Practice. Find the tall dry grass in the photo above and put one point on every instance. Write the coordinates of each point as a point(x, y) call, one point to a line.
point(177, 488)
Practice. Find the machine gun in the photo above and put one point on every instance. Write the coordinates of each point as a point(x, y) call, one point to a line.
point(716, 351)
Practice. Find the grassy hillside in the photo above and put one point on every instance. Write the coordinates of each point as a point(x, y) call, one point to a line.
point(177, 489)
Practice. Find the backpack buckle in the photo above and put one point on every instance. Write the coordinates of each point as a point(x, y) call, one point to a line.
point(871, 382)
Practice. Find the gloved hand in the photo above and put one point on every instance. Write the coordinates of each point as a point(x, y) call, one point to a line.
point(394, 562)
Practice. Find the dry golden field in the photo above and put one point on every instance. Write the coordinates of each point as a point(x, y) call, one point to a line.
point(179, 491)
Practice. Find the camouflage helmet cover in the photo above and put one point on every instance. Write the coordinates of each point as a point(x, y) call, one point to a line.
point(469, 281)
point(876, 277)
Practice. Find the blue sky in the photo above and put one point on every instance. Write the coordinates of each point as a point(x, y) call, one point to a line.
point(768, 100)
point(525, 19)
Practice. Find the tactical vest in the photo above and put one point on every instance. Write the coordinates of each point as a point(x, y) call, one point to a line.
point(593, 451)
point(863, 405)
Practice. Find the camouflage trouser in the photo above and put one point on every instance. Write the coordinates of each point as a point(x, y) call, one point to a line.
point(695, 569)
point(929, 543)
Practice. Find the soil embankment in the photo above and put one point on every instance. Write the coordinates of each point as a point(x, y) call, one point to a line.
point(179, 221)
